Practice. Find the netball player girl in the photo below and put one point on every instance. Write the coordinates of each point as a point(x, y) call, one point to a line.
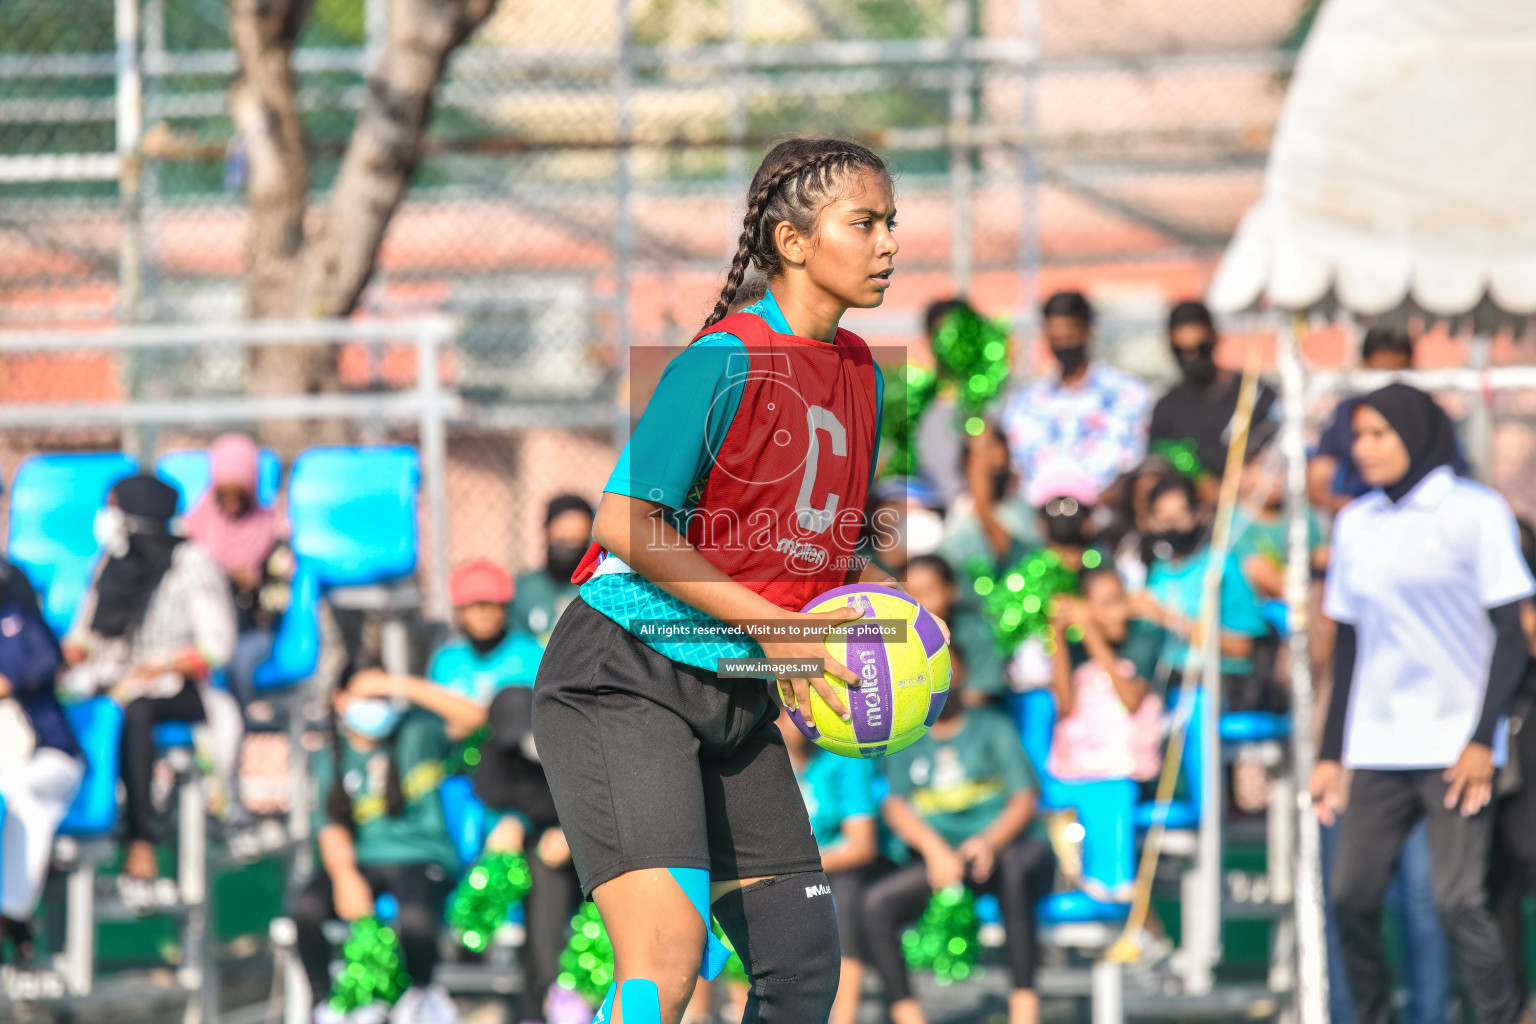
point(672, 783)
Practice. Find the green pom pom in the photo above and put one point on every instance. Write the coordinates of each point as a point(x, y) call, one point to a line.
point(946, 938)
point(735, 971)
point(371, 971)
point(1019, 603)
point(480, 903)
point(587, 969)
point(909, 390)
point(1182, 455)
point(973, 351)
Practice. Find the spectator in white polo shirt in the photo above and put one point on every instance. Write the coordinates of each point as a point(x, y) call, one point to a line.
point(1426, 585)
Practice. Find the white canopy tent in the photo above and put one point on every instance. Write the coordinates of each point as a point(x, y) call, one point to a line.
point(1401, 181)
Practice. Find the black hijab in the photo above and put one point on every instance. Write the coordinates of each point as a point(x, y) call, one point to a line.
point(127, 582)
point(1426, 430)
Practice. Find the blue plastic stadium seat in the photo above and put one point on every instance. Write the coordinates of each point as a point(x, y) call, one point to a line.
point(1034, 712)
point(466, 817)
point(1106, 811)
point(98, 725)
point(189, 472)
point(353, 513)
point(54, 499)
point(296, 647)
point(173, 734)
point(1254, 727)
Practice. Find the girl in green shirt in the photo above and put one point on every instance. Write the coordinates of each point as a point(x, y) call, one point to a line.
point(380, 827)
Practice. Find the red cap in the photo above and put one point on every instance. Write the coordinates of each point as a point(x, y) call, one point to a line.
point(480, 580)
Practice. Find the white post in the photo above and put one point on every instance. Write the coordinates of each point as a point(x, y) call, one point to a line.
point(1108, 988)
point(80, 927)
point(1480, 410)
point(736, 126)
point(434, 464)
point(959, 26)
point(1202, 936)
point(1029, 173)
point(623, 204)
point(1307, 896)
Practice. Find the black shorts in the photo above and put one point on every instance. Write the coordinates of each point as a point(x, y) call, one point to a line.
point(657, 764)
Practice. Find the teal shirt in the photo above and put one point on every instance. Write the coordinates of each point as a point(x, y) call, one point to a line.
point(513, 662)
point(960, 785)
point(667, 456)
point(420, 834)
point(1177, 584)
point(836, 789)
point(1270, 538)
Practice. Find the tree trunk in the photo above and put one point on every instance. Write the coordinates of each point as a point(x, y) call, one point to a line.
point(385, 146)
point(323, 275)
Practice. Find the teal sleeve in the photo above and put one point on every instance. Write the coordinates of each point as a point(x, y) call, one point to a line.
point(856, 782)
point(438, 668)
point(1013, 763)
point(685, 420)
point(1240, 611)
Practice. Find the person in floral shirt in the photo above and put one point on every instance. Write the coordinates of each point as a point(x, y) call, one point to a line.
point(1088, 415)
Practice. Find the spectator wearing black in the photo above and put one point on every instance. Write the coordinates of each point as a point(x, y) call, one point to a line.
point(1198, 411)
point(1426, 585)
point(1513, 874)
point(541, 595)
point(156, 622)
point(1333, 480)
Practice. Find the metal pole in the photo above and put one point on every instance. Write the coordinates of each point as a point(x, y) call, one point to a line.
point(1480, 411)
point(154, 63)
point(736, 126)
point(434, 460)
point(130, 131)
point(1203, 935)
point(1307, 905)
point(623, 200)
point(959, 26)
point(1029, 174)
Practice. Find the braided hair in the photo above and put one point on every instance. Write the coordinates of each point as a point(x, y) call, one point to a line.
point(338, 802)
point(796, 180)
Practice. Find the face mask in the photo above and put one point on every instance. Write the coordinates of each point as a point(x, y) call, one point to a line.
point(1071, 358)
point(924, 530)
point(1176, 543)
point(560, 560)
point(1198, 364)
point(372, 717)
point(111, 531)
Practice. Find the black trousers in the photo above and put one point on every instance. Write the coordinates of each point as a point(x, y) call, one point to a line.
point(552, 901)
point(1024, 873)
point(1383, 807)
point(138, 751)
point(421, 890)
point(1512, 875)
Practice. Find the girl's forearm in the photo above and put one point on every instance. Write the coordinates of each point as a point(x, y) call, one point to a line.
point(638, 532)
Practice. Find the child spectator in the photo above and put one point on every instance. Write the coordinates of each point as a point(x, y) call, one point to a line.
point(991, 522)
point(931, 583)
point(246, 539)
point(1063, 500)
point(39, 786)
point(156, 622)
point(840, 798)
point(1109, 705)
point(963, 798)
point(1260, 527)
point(380, 826)
point(485, 676)
point(543, 593)
point(1175, 585)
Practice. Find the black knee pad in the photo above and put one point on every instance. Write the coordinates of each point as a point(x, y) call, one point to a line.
point(785, 931)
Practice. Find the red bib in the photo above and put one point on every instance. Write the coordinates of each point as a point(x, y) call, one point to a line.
point(782, 506)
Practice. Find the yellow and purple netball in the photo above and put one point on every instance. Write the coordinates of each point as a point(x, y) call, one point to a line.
point(905, 678)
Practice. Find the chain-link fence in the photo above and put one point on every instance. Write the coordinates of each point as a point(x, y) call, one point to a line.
point(583, 178)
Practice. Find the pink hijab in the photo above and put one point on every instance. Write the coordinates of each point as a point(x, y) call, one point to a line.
point(236, 544)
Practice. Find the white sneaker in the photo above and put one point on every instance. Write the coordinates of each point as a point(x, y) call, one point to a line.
point(429, 1005)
